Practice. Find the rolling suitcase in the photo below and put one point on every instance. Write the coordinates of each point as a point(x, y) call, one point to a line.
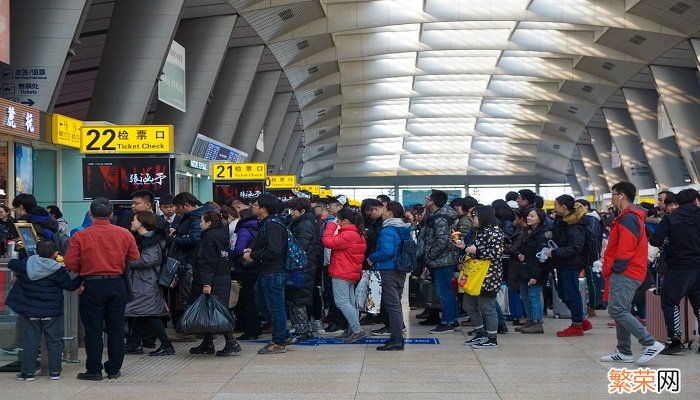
point(559, 309)
point(656, 324)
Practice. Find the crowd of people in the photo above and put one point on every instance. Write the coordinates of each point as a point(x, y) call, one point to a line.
point(117, 261)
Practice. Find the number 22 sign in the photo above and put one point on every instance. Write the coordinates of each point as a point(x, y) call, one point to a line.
point(127, 139)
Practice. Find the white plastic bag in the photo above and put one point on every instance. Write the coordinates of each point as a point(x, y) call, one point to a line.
point(361, 291)
point(374, 295)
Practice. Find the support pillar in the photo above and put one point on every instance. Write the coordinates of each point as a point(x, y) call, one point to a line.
point(594, 169)
point(634, 161)
point(255, 111)
point(602, 143)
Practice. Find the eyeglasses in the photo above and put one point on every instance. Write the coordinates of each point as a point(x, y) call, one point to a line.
point(616, 194)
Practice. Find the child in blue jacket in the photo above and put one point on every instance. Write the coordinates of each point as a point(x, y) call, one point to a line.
point(37, 296)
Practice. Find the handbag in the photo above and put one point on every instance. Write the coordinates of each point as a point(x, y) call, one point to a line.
point(374, 293)
point(168, 272)
point(233, 294)
point(472, 275)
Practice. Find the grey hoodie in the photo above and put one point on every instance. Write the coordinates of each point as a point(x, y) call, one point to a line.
point(39, 267)
point(396, 223)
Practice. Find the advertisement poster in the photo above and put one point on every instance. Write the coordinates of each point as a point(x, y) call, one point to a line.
point(24, 169)
point(223, 192)
point(413, 197)
point(116, 178)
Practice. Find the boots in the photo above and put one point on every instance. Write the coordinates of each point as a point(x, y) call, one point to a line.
point(206, 347)
point(231, 347)
point(532, 328)
point(393, 344)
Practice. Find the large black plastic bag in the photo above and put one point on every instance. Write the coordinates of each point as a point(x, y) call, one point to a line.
point(206, 315)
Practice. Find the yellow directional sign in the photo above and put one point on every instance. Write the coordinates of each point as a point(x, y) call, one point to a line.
point(326, 193)
point(121, 139)
point(65, 131)
point(238, 172)
point(313, 189)
point(281, 182)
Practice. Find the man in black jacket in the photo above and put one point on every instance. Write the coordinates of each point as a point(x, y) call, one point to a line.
point(569, 234)
point(682, 229)
point(267, 253)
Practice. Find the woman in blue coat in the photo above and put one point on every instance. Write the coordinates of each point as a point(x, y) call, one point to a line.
point(394, 230)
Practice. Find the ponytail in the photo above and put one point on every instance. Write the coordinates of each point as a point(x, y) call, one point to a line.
point(354, 217)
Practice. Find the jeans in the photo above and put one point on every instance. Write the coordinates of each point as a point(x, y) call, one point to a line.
point(531, 296)
point(53, 335)
point(344, 297)
point(271, 303)
point(392, 289)
point(568, 291)
point(443, 282)
point(101, 308)
point(482, 311)
point(621, 292)
point(333, 310)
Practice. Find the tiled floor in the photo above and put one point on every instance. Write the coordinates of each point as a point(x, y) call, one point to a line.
point(523, 367)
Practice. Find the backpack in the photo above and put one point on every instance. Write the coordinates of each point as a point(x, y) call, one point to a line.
point(591, 248)
point(295, 259)
point(406, 255)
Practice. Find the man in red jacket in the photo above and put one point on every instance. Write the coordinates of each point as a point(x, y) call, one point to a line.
point(624, 268)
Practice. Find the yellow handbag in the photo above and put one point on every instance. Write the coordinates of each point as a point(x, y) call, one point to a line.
point(472, 275)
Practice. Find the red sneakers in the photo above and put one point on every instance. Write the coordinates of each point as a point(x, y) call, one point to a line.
point(586, 325)
point(573, 330)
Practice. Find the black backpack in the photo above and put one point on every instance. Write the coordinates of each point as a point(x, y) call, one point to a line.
point(591, 248)
point(406, 254)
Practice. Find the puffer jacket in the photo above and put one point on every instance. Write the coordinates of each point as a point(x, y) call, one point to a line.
point(306, 231)
point(489, 246)
point(569, 234)
point(532, 268)
point(246, 230)
point(38, 290)
point(627, 248)
point(682, 229)
point(212, 265)
point(189, 234)
point(148, 300)
point(348, 251)
point(435, 244)
point(393, 231)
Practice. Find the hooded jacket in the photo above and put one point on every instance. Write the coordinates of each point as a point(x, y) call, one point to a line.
point(532, 242)
point(682, 228)
point(306, 231)
point(246, 230)
point(347, 251)
point(627, 247)
point(148, 300)
point(569, 233)
point(435, 243)
point(38, 291)
point(489, 246)
point(393, 231)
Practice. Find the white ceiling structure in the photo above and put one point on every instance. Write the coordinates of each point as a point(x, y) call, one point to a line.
point(463, 87)
point(361, 92)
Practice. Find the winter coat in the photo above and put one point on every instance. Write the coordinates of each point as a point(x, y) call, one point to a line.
point(393, 231)
point(324, 224)
point(44, 225)
point(435, 243)
point(372, 231)
point(211, 264)
point(148, 300)
point(38, 290)
point(465, 227)
point(511, 268)
point(347, 251)
point(682, 228)
point(627, 247)
point(246, 230)
point(489, 246)
point(269, 248)
point(569, 233)
point(532, 243)
point(188, 234)
point(306, 231)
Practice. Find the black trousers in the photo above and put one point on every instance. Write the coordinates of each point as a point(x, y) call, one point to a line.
point(679, 283)
point(102, 307)
point(142, 326)
point(247, 307)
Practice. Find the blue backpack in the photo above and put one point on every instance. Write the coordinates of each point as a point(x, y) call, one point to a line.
point(295, 259)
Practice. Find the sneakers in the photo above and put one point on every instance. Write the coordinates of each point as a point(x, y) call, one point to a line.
point(586, 325)
point(520, 327)
point(490, 343)
point(317, 326)
point(617, 357)
point(272, 348)
point(54, 376)
point(25, 378)
point(573, 330)
point(502, 329)
point(591, 312)
point(455, 325)
point(532, 328)
point(11, 350)
point(478, 339)
point(612, 324)
point(333, 328)
point(442, 328)
point(673, 346)
point(356, 337)
point(649, 352)
point(383, 331)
